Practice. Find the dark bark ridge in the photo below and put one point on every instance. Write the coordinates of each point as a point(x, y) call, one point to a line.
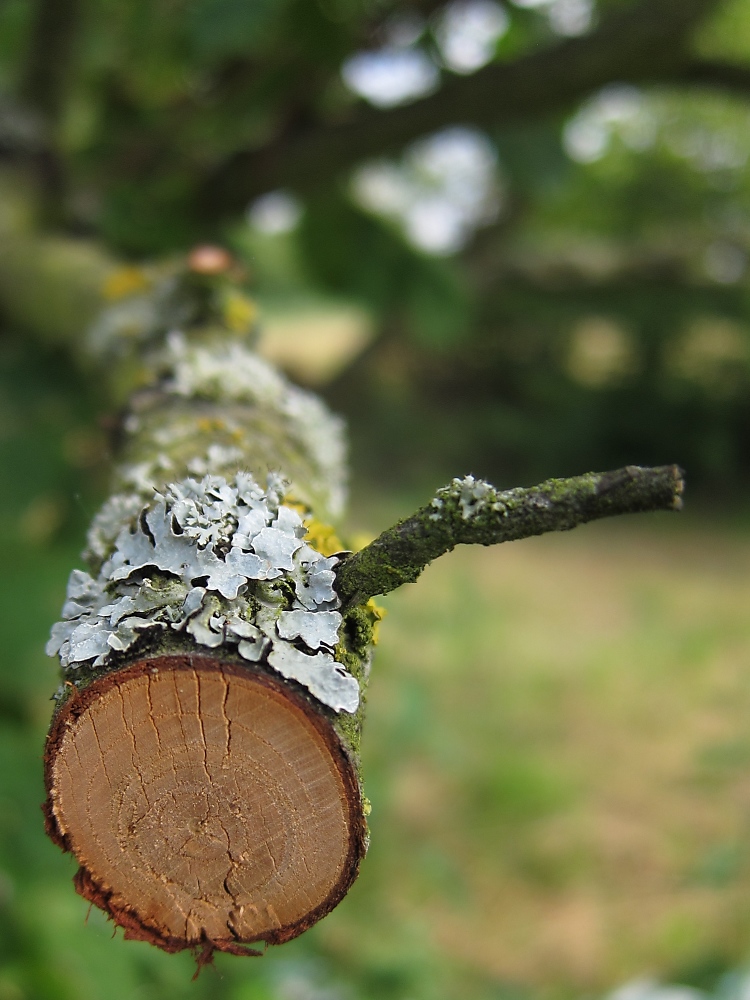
point(470, 511)
point(717, 73)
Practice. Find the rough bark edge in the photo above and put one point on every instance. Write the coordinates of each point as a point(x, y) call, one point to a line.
point(136, 929)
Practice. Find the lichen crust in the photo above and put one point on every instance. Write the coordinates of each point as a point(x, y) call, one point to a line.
point(226, 562)
point(230, 372)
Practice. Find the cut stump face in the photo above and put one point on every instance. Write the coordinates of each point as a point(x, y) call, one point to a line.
point(207, 805)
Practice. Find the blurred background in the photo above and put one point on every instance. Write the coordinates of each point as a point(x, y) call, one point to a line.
point(506, 238)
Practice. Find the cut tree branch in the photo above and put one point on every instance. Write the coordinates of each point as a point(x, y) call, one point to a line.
point(471, 511)
point(645, 43)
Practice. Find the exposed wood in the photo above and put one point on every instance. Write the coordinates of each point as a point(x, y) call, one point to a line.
point(207, 805)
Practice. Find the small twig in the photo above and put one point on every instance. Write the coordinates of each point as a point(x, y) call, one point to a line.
point(471, 511)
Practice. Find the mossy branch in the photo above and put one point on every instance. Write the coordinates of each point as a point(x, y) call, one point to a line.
point(471, 511)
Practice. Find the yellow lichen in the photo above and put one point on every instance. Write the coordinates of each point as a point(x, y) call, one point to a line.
point(123, 282)
point(322, 537)
point(378, 612)
point(209, 424)
point(240, 313)
point(290, 500)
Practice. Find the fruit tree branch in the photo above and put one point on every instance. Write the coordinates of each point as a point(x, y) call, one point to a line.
point(472, 511)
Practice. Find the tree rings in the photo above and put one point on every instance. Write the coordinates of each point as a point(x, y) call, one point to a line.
point(208, 806)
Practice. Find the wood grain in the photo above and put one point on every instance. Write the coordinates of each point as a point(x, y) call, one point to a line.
point(205, 803)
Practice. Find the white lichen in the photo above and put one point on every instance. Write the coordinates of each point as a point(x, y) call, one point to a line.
point(119, 510)
point(474, 496)
point(214, 556)
point(214, 559)
point(327, 680)
point(122, 324)
point(143, 477)
point(315, 628)
point(217, 458)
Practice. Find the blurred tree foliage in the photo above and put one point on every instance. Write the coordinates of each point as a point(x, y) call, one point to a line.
point(590, 308)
